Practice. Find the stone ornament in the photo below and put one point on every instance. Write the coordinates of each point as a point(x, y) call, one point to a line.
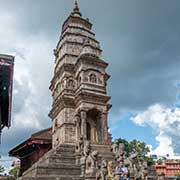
point(71, 84)
point(110, 170)
point(102, 173)
point(118, 150)
point(88, 159)
point(80, 145)
point(93, 78)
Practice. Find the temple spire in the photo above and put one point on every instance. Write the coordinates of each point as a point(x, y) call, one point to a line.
point(76, 11)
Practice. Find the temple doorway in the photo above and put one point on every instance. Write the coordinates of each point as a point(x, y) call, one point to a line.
point(93, 125)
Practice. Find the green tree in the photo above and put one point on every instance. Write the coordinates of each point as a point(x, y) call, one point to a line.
point(160, 161)
point(137, 146)
point(127, 146)
point(14, 172)
point(1, 169)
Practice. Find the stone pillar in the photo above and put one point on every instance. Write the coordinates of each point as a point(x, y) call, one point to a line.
point(104, 127)
point(83, 124)
point(77, 120)
point(94, 132)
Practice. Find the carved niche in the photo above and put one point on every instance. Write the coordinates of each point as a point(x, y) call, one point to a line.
point(71, 83)
point(93, 78)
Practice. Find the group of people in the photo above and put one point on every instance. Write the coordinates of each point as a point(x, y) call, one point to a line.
point(120, 172)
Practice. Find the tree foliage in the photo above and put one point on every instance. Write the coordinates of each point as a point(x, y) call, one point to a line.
point(137, 146)
point(1, 169)
point(14, 171)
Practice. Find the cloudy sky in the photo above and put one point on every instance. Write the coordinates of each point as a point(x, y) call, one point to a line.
point(140, 41)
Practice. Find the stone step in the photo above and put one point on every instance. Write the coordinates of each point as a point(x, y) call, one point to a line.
point(63, 149)
point(54, 169)
point(101, 148)
point(67, 159)
point(61, 157)
point(49, 177)
point(68, 156)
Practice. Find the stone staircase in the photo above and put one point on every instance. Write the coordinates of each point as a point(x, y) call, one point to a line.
point(60, 164)
point(104, 152)
point(57, 164)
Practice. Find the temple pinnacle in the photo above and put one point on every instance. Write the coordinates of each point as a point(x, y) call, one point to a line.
point(76, 9)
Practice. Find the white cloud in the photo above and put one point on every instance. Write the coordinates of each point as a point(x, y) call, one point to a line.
point(164, 146)
point(166, 122)
point(32, 74)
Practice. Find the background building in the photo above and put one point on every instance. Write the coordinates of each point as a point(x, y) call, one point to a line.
point(31, 150)
point(169, 168)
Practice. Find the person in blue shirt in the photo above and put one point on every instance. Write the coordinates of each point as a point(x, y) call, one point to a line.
point(121, 171)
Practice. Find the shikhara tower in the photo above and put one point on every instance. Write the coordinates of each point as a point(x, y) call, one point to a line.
point(80, 102)
point(81, 147)
point(80, 107)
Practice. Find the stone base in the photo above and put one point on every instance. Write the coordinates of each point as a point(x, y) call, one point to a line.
point(61, 164)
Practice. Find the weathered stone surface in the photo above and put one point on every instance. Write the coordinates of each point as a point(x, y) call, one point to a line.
point(56, 163)
point(79, 109)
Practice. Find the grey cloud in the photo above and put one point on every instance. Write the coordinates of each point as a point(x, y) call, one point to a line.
point(14, 136)
point(19, 96)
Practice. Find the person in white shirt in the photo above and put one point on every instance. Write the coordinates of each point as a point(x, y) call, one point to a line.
point(121, 171)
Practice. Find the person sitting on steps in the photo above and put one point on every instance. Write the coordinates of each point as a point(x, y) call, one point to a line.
point(121, 172)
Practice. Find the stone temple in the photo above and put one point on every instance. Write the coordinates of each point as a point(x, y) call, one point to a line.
point(80, 103)
point(80, 106)
point(82, 148)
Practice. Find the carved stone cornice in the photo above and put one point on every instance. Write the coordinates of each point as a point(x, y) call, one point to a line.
point(64, 68)
point(90, 97)
point(97, 88)
point(76, 20)
point(77, 34)
point(76, 43)
point(63, 57)
point(91, 60)
point(69, 42)
point(79, 28)
point(64, 101)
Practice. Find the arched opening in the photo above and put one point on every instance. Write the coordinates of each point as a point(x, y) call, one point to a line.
point(93, 125)
point(93, 78)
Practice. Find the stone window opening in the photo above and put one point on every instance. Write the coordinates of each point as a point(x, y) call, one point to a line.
point(71, 84)
point(55, 125)
point(93, 78)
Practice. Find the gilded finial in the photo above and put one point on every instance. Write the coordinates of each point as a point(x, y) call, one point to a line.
point(76, 9)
